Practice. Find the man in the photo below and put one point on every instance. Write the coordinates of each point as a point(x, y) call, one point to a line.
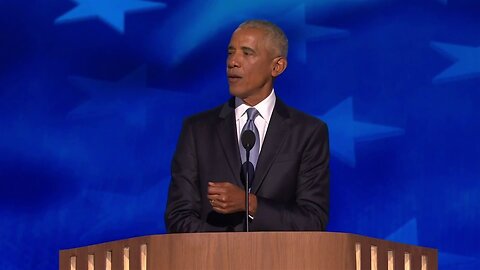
point(290, 189)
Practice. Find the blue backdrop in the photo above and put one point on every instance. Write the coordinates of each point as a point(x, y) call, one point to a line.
point(93, 93)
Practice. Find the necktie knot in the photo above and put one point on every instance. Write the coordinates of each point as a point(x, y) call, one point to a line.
point(252, 113)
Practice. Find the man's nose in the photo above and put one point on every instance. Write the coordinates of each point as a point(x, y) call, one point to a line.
point(233, 61)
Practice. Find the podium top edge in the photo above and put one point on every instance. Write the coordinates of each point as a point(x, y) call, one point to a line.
point(344, 235)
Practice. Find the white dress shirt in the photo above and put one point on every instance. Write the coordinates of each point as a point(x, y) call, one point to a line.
point(265, 109)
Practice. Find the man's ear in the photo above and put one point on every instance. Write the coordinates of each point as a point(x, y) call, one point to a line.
point(279, 65)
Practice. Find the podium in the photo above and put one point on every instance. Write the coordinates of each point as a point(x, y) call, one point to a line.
point(252, 250)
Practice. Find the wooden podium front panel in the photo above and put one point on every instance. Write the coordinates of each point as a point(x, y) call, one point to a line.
point(254, 250)
point(295, 250)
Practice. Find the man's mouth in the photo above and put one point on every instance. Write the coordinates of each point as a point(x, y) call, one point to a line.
point(234, 78)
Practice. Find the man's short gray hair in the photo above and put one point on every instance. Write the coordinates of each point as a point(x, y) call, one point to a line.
point(275, 33)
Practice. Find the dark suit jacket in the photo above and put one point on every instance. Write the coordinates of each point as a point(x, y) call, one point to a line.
point(291, 179)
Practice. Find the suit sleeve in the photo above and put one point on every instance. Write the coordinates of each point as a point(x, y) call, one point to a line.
point(309, 211)
point(183, 212)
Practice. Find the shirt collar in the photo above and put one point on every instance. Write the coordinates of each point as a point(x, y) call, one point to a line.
point(265, 107)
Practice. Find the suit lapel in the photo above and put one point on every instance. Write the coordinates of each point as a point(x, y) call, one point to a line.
point(227, 133)
point(276, 134)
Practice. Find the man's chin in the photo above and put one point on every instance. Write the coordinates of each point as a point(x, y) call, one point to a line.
point(237, 92)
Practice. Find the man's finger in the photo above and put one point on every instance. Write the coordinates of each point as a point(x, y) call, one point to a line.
point(219, 205)
point(220, 210)
point(215, 197)
point(216, 190)
point(220, 184)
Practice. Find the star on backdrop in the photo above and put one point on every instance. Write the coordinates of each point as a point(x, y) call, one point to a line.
point(299, 32)
point(133, 208)
point(128, 98)
point(467, 61)
point(111, 12)
point(345, 131)
point(71, 223)
point(206, 19)
point(408, 234)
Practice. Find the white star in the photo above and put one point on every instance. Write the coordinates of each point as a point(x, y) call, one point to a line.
point(299, 32)
point(408, 234)
point(467, 61)
point(110, 11)
point(129, 98)
point(345, 131)
point(208, 19)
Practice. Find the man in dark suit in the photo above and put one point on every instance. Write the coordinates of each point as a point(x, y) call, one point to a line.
point(290, 189)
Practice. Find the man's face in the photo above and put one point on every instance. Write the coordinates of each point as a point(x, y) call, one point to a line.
point(249, 64)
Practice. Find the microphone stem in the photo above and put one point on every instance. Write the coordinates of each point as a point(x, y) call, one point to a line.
point(247, 190)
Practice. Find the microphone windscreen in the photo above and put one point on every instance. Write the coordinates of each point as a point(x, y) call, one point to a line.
point(248, 139)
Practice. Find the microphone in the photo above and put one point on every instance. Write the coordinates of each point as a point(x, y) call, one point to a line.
point(248, 141)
